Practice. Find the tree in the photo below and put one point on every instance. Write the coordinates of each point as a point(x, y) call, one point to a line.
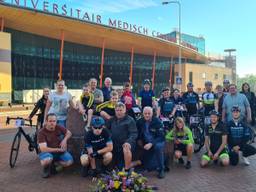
point(250, 79)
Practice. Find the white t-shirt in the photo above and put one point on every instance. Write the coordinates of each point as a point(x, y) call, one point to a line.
point(60, 104)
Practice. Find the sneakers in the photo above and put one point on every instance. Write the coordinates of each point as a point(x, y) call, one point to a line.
point(161, 174)
point(46, 171)
point(181, 161)
point(246, 161)
point(188, 165)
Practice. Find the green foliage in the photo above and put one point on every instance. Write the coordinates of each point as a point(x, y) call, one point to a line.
point(251, 79)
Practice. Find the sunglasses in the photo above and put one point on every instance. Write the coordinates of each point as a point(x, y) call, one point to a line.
point(98, 127)
point(235, 111)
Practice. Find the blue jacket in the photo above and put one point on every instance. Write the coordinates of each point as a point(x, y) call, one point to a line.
point(237, 134)
point(155, 131)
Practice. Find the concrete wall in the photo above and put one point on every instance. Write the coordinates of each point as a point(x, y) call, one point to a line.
point(5, 68)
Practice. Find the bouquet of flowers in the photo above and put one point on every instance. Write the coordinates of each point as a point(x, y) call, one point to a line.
point(121, 181)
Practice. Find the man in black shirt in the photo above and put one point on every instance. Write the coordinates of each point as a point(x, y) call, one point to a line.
point(98, 145)
point(166, 105)
point(215, 141)
point(191, 100)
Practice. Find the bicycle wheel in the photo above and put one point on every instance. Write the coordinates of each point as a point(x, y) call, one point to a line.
point(198, 136)
point(15, 149)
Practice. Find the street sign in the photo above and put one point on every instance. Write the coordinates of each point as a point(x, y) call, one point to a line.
point(178, 80)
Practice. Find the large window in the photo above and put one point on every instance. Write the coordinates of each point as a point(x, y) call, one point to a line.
point(35, 64)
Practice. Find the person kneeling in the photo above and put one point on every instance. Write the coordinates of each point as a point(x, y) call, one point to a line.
point(52, 146)
point(183, 141)
point(98, 146)
point(151, 133)
point(238, 136)
point(215, 142)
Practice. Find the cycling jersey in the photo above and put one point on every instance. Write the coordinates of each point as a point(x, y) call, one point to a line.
point(208, 99)
point(108, 107)
point(166, 106)
point(215, 135)
point(87, 100)
point(239, 133)
point(191, 100)
point(186, 136)
point(146, 98)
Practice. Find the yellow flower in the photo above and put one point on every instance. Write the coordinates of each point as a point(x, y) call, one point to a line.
point(116, 184)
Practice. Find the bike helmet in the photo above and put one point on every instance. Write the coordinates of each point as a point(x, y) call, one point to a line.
point(214, 112)
point(97, 122)
point(146, 81)
point(235, 108)
point(190, 84)
point(208, 83)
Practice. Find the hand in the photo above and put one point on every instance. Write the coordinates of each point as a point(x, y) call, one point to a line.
point(236, 148)
point(177, 141)
point(215, 156)
point(127, 146)
point(171, 115)
point(63, 145)
point(60, 150)
point(94, 154)
point(210, 154)
point(82, 111)
point(148, 146)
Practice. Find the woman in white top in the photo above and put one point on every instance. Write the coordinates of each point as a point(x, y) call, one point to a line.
point(58, 103)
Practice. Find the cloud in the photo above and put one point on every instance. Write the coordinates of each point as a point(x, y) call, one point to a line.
point(117, 6)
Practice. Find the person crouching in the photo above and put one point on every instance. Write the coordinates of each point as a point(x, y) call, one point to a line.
point(98, 146)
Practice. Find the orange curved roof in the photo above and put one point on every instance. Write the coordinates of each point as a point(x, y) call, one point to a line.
point(77, 31)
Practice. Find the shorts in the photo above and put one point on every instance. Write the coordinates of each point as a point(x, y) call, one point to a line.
point(109, 111)
point(66, 156)
point(224, 154)
point(181, 147)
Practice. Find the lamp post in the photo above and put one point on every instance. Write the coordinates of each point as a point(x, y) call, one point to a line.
point(179, 41)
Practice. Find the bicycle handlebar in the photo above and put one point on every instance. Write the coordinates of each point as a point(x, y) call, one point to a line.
point(8, 119)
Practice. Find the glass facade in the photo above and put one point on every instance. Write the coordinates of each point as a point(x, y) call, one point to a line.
point(35, 64)
point(198, 42)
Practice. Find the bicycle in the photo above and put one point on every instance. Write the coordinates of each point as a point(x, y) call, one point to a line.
point(196, 125)
point(32, 140)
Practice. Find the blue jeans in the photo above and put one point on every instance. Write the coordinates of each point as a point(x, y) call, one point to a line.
point(154, 158)
point(66, 156)
point(62, 123)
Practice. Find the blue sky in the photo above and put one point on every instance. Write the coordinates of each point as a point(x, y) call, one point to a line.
point(223, 23)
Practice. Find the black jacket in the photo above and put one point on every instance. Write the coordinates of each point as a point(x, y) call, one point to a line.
point(155, 129)
point(123, 130)
point(40, 105)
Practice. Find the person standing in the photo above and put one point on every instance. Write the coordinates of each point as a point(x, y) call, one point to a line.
point(146, 96)
point(107, 89)
point(40, 105)
point(251, 98)
point(58, 103)
point(98, 95)
point(232, 99)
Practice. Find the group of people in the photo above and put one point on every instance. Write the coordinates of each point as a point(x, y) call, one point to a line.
point(115, 137)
